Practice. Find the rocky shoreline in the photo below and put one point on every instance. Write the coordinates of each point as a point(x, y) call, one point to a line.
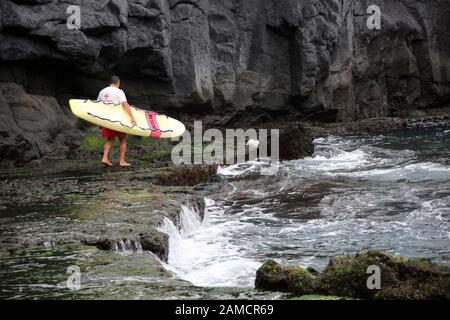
point(115, 211)
point(113, 192)
point(296, 139)
point(420, 120)
point(309, 68)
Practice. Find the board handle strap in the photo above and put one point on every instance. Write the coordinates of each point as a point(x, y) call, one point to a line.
point(153, 124)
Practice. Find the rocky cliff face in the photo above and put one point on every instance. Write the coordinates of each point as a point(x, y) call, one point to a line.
point(288, 59)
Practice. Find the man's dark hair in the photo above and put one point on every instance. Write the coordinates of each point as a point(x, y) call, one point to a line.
point(114, 80)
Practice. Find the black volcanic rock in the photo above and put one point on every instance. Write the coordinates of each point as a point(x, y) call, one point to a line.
point(28, 123)
point(308, 59)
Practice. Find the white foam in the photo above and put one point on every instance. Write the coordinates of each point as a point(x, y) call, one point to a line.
point(239, 168)
point(334, 160)
point(418, 172)
point(202, 253)
point(228, 247)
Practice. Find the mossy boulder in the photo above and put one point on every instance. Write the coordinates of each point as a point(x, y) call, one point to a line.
point(275, 277)
point(348, 275)
point(401, 278)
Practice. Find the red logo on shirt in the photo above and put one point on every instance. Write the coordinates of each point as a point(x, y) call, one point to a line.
point(106, 96)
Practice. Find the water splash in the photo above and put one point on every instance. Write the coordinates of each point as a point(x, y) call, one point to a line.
point(200, 252)
point(354, 194)
point(189, 222)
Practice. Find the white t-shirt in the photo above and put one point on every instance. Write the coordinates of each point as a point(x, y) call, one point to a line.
point(112, 95)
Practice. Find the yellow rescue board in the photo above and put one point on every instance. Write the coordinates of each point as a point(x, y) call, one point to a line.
point(112, 116)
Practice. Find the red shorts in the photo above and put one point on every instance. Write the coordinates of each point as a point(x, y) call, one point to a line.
point(108, 133)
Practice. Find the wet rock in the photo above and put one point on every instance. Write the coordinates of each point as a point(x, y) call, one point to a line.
point(347, 276)
point(375, 125)
point(118, 211)
point(274, 277)
point(101, 243)
point(156, 242)
point(379, 125)
point(400, 278)
point(296, 142)
point(190, 175)
point(131, 228)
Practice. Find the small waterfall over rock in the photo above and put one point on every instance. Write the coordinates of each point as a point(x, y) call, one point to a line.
point(201, 253)
point(189, 222)
point(127, 246)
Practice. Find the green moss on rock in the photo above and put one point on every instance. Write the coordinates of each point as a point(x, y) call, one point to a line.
point(401, 278)
point(272, 276)
point(92, 142)
point(347, 275)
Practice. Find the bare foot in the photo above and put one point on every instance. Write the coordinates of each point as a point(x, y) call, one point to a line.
point(107, 163)
point(125, 164)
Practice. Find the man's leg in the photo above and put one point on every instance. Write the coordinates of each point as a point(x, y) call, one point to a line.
point(106, 149)
point(123, 150)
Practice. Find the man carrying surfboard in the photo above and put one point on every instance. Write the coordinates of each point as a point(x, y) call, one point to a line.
point(114, 95)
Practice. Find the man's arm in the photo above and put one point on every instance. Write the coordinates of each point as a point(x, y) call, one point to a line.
point(127, 109)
